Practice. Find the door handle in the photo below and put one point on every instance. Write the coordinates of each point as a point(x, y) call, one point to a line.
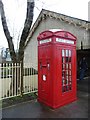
point(48, 66)
point(44, 65)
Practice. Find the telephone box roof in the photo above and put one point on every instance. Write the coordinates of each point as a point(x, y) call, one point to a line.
point(56, 32)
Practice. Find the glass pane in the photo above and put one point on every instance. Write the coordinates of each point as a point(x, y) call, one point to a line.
point(63, 73)
point(66, 88)
point(63, 81)
point(63, 60)
point(70, 83)
point(66, 59)
point(66, 73)
point(69, 66)
point(63, 66)
point(69, 59)
point(63, 53)
point(67, 53)
point(69, 72)
point(63, 89)
point(69, 78)
point(70, 87)
point(66, 65)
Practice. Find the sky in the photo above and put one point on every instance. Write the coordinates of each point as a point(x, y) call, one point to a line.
point(15, 11)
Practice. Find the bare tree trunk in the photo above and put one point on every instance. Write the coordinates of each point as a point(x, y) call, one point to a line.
point(7, 33)
point(25, 33)
point(28, 22)
point(27, 26)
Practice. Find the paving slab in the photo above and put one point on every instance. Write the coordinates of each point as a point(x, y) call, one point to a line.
point(34, 109)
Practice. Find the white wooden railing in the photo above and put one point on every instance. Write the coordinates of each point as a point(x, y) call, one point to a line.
point(10, 80)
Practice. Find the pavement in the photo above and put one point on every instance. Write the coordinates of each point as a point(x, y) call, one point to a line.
point(83, 84)
point(34, 109)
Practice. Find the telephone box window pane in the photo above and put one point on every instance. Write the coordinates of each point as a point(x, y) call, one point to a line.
point(69, 59)
point(66, 77)
point(63, 66)
point(69, 66)
point(63, 59)
point(66, 65)
point(70, 87)
point(63, 82)
point(66, 59)
point(69, 78)
point(63, 89)
point(69, 72)
point(69, 53)
point(63, 73)
point(67, 88)
point(63, 53)
point(70, 83)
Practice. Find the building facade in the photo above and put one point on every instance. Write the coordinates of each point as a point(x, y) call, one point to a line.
point(52, 20)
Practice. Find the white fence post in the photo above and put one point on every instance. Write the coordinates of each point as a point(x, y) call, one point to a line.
point(0, 84)
point(10, 79)
point(30, 78)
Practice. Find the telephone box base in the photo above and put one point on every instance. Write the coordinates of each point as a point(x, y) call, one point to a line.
point(56, 106)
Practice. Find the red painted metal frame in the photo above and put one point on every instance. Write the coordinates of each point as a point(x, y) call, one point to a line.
point(50, 81)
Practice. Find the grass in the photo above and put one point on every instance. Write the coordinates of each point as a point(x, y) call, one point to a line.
point(18, 99)
point(0, 104)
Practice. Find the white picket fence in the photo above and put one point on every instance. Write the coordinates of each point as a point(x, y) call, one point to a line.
point(10, 80)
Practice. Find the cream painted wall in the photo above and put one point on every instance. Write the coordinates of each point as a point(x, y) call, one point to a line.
point(30, 55)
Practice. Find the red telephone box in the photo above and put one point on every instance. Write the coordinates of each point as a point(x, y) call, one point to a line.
point(56, 68)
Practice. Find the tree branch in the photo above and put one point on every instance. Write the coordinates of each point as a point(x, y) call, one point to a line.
point(27, 26)
point(7, 33)
point(25, 32)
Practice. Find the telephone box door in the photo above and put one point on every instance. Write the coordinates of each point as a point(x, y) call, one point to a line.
point(68, 71)
point(44, 78)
